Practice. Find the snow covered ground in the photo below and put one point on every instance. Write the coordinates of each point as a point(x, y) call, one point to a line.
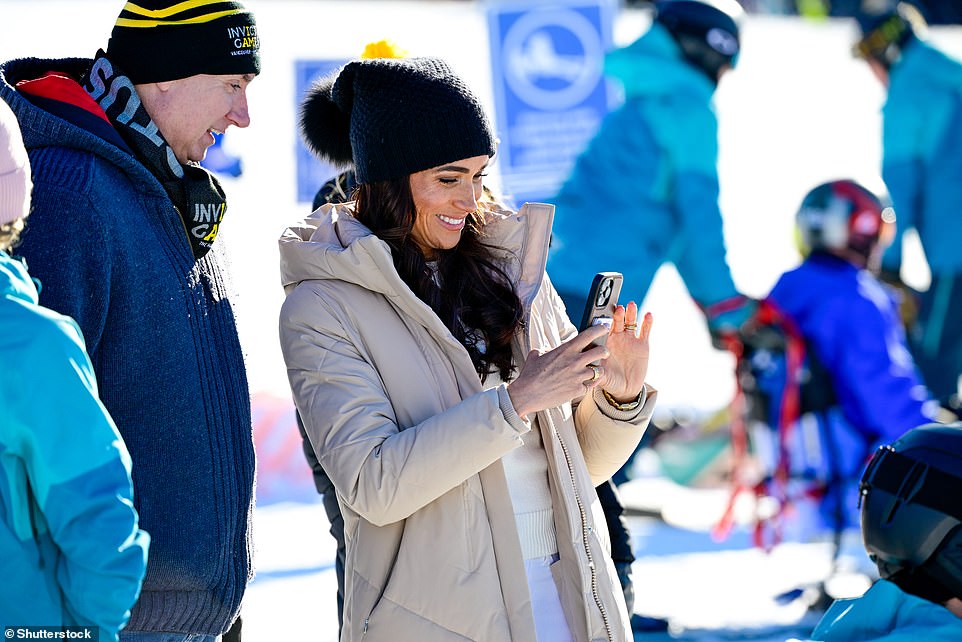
point(709, 591)
point(797, 111)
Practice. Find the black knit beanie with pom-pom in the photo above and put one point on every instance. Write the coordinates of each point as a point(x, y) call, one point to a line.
point(394, 117)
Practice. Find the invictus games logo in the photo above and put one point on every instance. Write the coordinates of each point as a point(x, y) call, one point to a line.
point(244, 39)
point(208, 218)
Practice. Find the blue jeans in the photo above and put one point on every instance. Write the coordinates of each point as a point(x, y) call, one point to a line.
point(160, 636)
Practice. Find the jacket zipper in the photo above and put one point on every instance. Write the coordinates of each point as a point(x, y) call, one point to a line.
point(367, 620)
point(584, 537)
point(526, 344)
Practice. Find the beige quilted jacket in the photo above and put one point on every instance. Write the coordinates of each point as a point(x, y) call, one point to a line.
point(398, 419)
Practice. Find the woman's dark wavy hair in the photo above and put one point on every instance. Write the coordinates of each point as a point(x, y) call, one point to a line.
point(477, 303)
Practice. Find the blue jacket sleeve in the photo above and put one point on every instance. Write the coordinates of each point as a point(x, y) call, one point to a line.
point(79, 470)
point(700, 253)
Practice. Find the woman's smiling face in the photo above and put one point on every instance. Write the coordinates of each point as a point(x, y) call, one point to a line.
point(444, 196)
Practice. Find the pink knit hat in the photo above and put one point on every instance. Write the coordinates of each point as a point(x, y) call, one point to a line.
point(15, 181)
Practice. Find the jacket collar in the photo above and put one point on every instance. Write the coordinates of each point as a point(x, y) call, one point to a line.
point(41, 128)
point(332, 244)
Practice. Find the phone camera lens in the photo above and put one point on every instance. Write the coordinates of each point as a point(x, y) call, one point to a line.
point(604, 293)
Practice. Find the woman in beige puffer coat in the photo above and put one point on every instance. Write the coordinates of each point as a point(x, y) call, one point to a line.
point(464, 453)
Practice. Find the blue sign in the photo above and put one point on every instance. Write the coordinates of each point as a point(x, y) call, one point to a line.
point(311, 171)
point(550, 93)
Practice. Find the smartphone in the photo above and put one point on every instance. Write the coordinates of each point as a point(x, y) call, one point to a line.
point(602, 300)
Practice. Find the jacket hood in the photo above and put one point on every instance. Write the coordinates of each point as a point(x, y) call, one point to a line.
point(15, 282)
point(654, 65)
point(43, 129)
point(332, 244)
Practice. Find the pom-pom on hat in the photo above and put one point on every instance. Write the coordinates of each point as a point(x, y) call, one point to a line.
point(394, 117)
point(161, 40)
point(15, 181)
point(383, 49)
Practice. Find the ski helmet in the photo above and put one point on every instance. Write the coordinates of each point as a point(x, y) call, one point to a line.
point(841, 215)
point(706, 30)
point(884, 34)
point(911, 503)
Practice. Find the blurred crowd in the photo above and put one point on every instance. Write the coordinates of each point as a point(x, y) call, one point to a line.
point(936, 12)
point(468, 438)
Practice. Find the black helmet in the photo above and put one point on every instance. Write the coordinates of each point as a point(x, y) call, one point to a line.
point(884, 34)
point(706, 31)
point(841, 215)
point(911, 499)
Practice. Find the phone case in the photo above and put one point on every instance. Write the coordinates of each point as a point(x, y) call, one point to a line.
point(602, 301)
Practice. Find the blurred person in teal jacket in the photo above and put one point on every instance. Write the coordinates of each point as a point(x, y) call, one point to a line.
point(71, 553)
point(912, 530)
point(922, 169)
point(645, 191)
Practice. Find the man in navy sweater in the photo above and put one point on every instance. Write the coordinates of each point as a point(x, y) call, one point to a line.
point(122, 237)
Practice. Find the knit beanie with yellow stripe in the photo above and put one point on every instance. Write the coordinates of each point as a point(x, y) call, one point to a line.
point(161, 40)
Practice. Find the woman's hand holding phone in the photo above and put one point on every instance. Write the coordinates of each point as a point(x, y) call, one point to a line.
point(552, 378)
point(610, 351)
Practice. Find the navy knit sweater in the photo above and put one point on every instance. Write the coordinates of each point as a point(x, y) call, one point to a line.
point(111, 252)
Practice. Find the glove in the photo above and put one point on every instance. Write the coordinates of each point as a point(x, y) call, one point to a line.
point(726, 318)
point(624, 576)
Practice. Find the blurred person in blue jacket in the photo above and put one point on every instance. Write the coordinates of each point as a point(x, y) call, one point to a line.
point(850, 324)
point(645, 191)
point(911, 517)
point(71, 553)
point(922, 168)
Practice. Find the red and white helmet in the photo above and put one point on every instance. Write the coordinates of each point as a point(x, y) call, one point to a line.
point(840, 216)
